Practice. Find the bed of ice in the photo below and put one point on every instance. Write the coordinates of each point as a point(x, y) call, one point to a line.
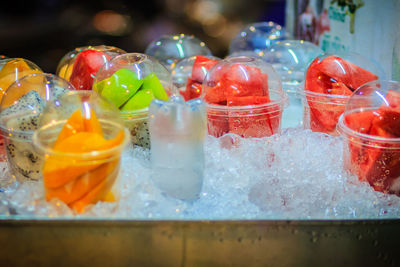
point(297, 175)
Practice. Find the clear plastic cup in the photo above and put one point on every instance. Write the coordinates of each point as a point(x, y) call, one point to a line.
point(370, 127)
point(80, 140)
point(131, 81)
point(244, 96)
point(20, 109)
point(329, 82)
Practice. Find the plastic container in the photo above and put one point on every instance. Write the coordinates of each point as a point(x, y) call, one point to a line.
point(370, 128)
point(291, 59)
point(81, 139)
point(188, 74)
point(169, 49)
point(12, 69)
point(256, 37)
point(330, 81)
point(244, 96)
point(20, 108)
point(80, 65)
point(131, 81)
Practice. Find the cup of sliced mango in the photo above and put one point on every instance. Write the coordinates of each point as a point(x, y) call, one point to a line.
point(131, 81)
point(81, 138)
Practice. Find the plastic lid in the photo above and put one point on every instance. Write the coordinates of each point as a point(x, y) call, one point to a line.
point(12, 69)
point(340, 74)
point(257, 37)
point(291, 58)
point(25, 100)
point(170, 48)
point(80, 65)
point(132, 81)
point(237, 78)
point(373, 113)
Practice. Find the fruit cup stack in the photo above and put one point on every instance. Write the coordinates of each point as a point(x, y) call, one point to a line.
point(371, 130)
point(244, 96)
point(330, 80)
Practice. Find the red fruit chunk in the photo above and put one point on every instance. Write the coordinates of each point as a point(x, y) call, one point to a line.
point(346, 72)
point(193, 90)
point(247, 100)
point(201, 66)
point(360, 121)
point(86, 65)
point(215, 94)
point(243, 80)
point(386, 123)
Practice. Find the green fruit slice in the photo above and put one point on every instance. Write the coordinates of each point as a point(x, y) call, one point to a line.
point(140, 100)
point(151, 82)
point(121, 86)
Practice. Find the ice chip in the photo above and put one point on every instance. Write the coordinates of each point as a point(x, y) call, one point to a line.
point(177, 133)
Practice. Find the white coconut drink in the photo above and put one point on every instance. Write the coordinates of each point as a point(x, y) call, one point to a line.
point(20, 108)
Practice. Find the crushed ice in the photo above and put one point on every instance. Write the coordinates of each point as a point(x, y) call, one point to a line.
point(297, 175)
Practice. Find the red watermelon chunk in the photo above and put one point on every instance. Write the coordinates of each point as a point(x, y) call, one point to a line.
point(386, 123)
point(243, 80)
point(201, 66)
point(192, 90)
point(86, 65)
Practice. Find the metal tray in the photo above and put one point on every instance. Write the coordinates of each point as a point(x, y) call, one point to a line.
point(58, 242)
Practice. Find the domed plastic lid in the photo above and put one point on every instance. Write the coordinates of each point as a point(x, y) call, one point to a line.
point(25, 100)
point(81, 111)
point(170, 48)
point(132, 81)
point(13, 69)
point(239, 81)
point(340, 74)
point(373, 112)
point(188, 74)
point(291, 59)
point(80, 65)
point(257, 37)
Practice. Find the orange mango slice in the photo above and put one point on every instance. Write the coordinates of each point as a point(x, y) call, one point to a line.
point(77, 188)
point(59, 170)
point(98, 193)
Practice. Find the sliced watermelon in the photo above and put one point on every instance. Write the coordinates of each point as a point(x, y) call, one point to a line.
point(215, 94)
point(192, 90)
point(85, 67)
point(200, 68)
point(386, 123)
point(360, 121)
point(393, 98)
point(243, 80)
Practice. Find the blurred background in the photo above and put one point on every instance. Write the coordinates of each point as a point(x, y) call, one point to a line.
point(45, 30)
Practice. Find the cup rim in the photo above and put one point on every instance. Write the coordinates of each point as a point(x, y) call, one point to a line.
point(43, 150)
point(377, 140)
point(281, 103)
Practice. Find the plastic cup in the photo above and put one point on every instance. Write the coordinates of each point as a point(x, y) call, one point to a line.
point(371, 133)
point(20, 108)
point(76, 176)
point(247, 121)
point(318, 105)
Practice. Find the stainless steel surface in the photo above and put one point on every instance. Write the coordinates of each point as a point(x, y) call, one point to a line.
point(199, 243)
